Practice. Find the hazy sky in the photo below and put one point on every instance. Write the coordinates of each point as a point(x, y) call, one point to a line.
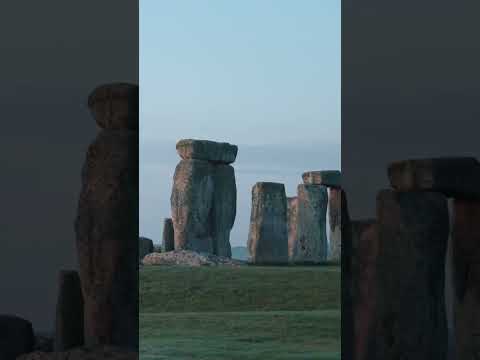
point(264, 75)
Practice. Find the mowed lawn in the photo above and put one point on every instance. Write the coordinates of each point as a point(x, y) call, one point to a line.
point(240, 313)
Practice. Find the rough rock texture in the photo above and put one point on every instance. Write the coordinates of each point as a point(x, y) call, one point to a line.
point(364, 288)
point(334, 224)
point(268, 237)
point(224, 208)
point(413, 232)
point(310, 244)
point(69, 312)
point(456, 177)
point(466, 263)
point(207, 150)
point(168, 237)
point(85, 353)
point(189, 258)
point(329, 178)
point(292, 219)
point(203, 205)
point(107, 239)
point(115, 106)
point(16, 337)
point(192, 202)
point(347, 323)
point(145, 247)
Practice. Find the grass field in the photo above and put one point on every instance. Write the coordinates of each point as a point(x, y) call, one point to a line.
point(240, 313)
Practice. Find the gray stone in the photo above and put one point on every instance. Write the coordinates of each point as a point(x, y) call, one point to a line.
point(329, 178)
point(115, 106)
point(268, 237)
point(413, 229)
point(292, 219)
point(16, 337)
point(168, 238)
point(69, 312)
point(456, 177)
point(224, 208)
point(203, 204)
point(107, 239)
point(189, 258)
point(310, 244)
point(145, 247)
point(207, 150)
point(192, 203)
point(334, 224)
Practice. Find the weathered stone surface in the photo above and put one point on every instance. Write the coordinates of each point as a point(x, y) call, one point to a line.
point(192, 202)
point(329, 178)
point(347, 323)
point(364, 286)
point(268, 238)
point(168, 237)
point(224, 208)
point(69, 312)
point(189, 258)
point(107, 239)
point(85, 353)
point(454, 177)
point(16, 337)
point(292, 219)
point(115, 106)
point(145, 247)
point(413, 233)
point(207, 150)
point(310, 244)
point(203, 204)
point(334, 224)
point(466, 264)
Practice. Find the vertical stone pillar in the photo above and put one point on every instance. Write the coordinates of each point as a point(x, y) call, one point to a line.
point(168, 239)
point(347, 318)
point(268, 238)
point(334, 224)
point(204, 196)
point(107, 220)
point(413, 233)
point(145, 247)
point(310, 245)
point(364, 258)
point(292, 220)
point(466, 264)
point(69, 312)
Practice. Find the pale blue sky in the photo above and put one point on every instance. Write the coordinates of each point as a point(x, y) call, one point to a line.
point(264, 75)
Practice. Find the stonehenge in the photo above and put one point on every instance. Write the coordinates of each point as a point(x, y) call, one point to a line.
point(417, 264)
point(168, 240)
point(107, 220)
point(16, 337)
point(268, 233)
point(145, 247)
point(204, 197)
point(69, 312)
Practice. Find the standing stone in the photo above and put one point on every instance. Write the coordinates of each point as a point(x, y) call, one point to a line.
point(292, 219)
point(364, 286)
point(192, 202)
point(107, 225)
point(168, 235)
point(347, 323)
point(145, 247)
point(204, 196)
point(268, 238)
point(311, 239)
point(413, 233)
point(334, 222)
point(69, 313)
point(16, 337)
point(466, 263)
point(224, 208)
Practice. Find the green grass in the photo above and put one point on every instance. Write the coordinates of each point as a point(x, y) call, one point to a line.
point(240, 313)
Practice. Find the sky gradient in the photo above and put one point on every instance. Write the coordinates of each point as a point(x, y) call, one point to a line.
point(264, 75)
